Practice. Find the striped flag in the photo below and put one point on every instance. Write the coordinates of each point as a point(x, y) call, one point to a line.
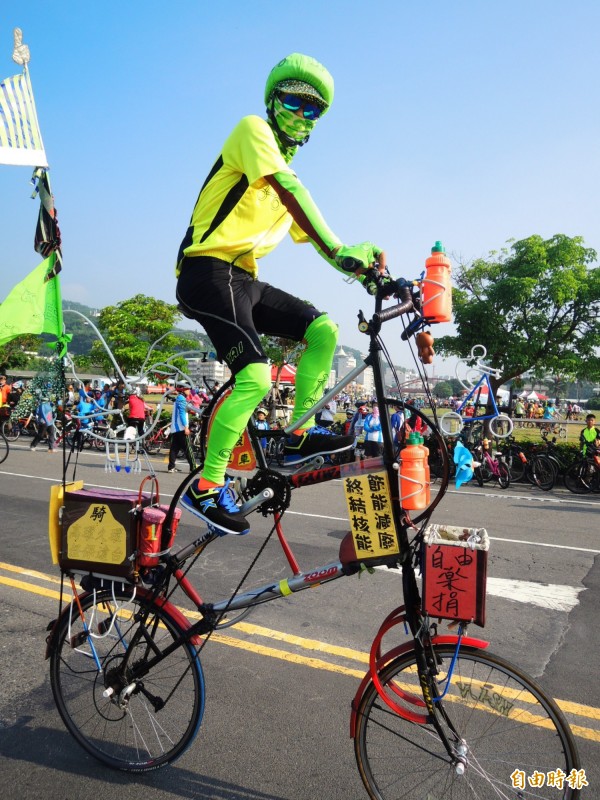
point(20, 138)
point(47, 233)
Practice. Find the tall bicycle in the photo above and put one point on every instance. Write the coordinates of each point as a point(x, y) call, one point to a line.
point(436, 715)
point(453, 422)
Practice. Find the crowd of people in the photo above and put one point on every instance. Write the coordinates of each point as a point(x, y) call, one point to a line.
point(361, 418)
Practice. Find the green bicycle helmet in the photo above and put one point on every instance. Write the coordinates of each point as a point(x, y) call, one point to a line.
point(305, 69)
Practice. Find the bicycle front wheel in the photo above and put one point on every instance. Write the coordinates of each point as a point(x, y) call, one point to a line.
point(577, 478)
point(501, 722)
point(151, 721)
point(543, 473)
point(503, 475)
point(11, 429)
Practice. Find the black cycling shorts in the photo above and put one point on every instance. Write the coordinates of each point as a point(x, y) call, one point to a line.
point(234, 309)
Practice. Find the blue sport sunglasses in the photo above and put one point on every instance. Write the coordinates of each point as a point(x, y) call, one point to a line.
point(294, 103)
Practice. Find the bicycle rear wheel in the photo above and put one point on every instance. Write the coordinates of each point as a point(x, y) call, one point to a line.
point(159, 719)
point(505, 721)
point(516, 467)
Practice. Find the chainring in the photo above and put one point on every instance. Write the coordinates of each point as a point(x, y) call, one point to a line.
point(268, 479)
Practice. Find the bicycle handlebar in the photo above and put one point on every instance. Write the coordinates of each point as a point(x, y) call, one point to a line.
point(404, 307)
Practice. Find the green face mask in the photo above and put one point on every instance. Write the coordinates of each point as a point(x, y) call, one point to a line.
point(294, 126)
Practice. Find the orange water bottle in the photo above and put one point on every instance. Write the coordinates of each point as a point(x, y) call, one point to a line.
point(436, 288)
point(425, 451)
point(413, 495)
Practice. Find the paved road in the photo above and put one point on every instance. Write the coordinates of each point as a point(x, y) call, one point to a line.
point(279, 686)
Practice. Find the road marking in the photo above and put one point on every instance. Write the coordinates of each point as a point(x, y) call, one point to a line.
point(553, 596)
point(567, 706)
point(164, 495)
point(545, 595)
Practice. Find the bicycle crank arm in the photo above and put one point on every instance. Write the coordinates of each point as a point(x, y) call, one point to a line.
point(254, 502)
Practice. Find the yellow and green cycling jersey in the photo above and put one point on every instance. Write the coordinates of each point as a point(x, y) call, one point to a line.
point(250, 200)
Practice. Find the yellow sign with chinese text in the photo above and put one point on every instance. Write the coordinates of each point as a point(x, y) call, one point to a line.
point(370, 511)
point(97, 536)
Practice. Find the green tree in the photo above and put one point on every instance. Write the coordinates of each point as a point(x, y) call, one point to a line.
point(534, 304)
point(442, 390)
point(131, 326)
point(280, 352)
point(16, 354)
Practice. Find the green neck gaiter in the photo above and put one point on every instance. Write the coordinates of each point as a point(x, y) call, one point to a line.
point(289, 123)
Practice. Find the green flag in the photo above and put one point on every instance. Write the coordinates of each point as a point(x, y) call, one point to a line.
point(34, 305)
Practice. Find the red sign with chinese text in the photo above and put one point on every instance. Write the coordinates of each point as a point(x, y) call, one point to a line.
point(454, 578)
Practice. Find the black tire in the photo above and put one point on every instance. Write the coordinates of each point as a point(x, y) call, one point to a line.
point(4, 448)
point(543, 472)
point(11, 429)
point(478, 476)
point(577, 479)
point(486, 473)
point(152, 446)
point(516, 468)
point(503, 718)
point(137, 734)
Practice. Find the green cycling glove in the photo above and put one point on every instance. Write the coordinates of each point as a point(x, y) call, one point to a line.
point(352, 257)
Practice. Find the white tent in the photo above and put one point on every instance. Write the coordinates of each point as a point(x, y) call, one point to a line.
point(532, 396)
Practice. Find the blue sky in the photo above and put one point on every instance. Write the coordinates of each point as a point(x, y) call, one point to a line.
point(469, 122)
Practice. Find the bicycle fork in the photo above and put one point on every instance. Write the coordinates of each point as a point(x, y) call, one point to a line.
point(410, 706)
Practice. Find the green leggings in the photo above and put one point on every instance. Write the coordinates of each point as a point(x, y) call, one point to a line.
point(254, 381)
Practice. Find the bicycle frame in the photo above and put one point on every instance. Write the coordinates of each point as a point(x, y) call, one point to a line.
point(483, 382)
point(491, 462)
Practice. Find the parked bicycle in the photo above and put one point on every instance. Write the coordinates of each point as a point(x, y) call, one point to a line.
point(13, 427)
point(158, 440)
point(545, 466)
point(490, 465)
point(435, 716)
point(515, 458)
point(583, 475)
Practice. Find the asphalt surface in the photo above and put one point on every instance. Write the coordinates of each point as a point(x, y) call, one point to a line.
point(279, 686)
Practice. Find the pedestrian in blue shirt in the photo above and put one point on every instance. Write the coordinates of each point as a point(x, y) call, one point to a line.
point(373, 433)
point(180, 428)
point(45, 418)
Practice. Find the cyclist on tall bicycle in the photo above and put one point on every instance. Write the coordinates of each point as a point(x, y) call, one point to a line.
point(250, 199)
